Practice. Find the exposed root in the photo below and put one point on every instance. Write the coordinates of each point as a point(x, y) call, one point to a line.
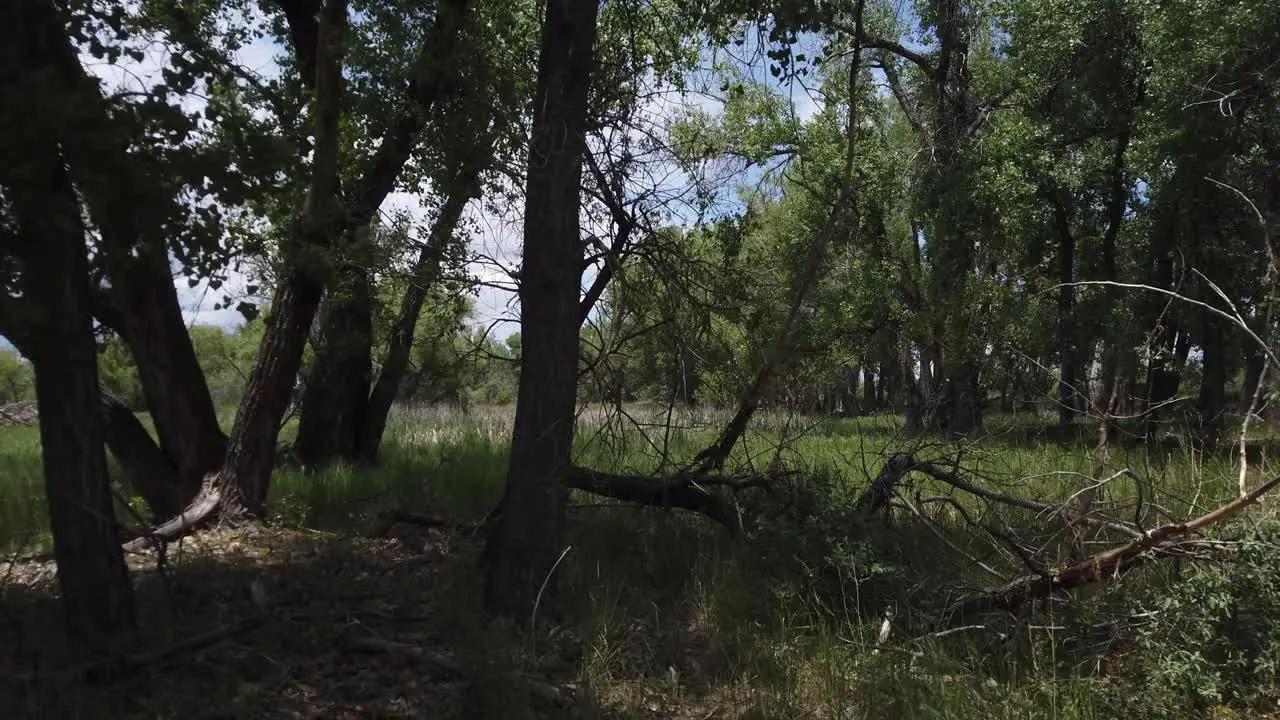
point(201, 510)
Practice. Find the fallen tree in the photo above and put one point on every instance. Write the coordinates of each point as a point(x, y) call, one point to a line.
point(689, 491)
point(1104, 566)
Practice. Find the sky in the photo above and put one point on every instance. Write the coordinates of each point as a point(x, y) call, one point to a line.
point(496, 245)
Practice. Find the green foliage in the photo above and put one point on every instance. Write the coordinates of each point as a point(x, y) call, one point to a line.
point(1210, 637)
point(17, 378)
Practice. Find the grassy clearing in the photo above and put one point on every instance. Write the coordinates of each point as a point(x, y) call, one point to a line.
point(663, 615)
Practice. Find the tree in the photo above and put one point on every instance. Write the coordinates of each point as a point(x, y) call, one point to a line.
point(523, 548)
point(43, 239)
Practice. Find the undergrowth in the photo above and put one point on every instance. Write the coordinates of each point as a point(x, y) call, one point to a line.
point(660, 614)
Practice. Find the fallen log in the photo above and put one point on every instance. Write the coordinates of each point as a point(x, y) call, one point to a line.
point(880, 491)
point(1104, 566)
point(688, 491)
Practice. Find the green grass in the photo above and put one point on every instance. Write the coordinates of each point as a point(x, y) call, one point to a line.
point(674, 618)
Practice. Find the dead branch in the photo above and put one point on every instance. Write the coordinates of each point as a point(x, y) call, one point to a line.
point(878, 493)
point(1104, 566)
point(689, 491)
point(960, 483)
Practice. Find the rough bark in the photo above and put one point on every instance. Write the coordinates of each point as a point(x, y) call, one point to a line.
point(336, 402)
point(144, 308)
point(149, 471)
point(336, 393)
point(400, 342)
point(251, 449)
point(523, 549)
point(50, 248)
point(869, 398)
point(1114, 339)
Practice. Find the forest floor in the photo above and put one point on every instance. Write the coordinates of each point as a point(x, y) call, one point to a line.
point(329, 611)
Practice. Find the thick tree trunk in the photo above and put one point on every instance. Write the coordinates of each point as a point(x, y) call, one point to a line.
point(337, 401)
point(91, 571)
point(524, 547)
point(145, 311)
point(1164, 374)
point(50, 248)
point(251, 450)
point(336, 395)
point(849, 406)
point(425, 272)
point(149, 471)
point(142, 306)
point(1115, 339)
point(964, 401)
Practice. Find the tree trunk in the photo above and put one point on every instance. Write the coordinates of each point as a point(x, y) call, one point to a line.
point(523, 549)
point(869, 397)
point(1068, 345)
point(849, 395)
point(142, 306)
point(251, 450)
point(964, 401)
point(425, 272)
point(143, 462)
point(1115, 339)
point(145, 312)
point(1164, 373)
point(149, 470)
point(336, 393)
point(1213, 384)
point(50, 248)
point(337, 400)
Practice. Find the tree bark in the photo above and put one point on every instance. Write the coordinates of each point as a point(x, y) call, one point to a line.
point(1213, 383)
point(1068, 342)
point(425, 272)
point(337, 396)
point(50, 249)
point(146, 313)
point(251, 450)
point(149, 471)
point(145, 310)
point(869, 397)
point(524, 547)
point(336, 393)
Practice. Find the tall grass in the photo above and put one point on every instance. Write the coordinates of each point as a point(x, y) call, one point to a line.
point(671, 616)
